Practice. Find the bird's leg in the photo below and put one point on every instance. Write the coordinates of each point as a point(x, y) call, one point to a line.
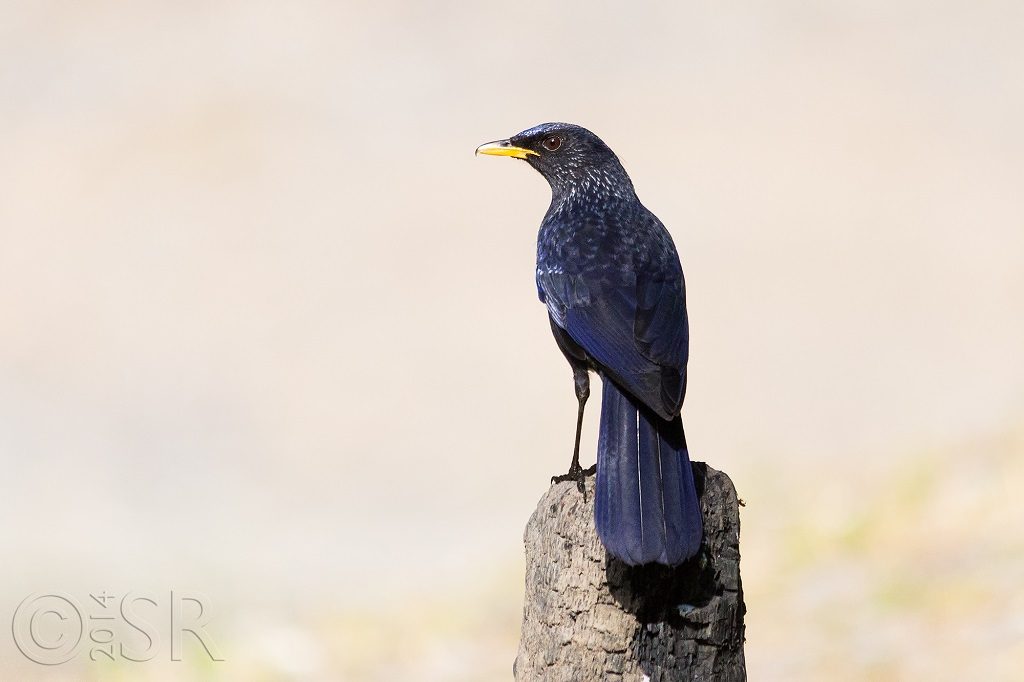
point(577, 473)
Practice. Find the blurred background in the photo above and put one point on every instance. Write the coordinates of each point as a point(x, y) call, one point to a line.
point(269, 331)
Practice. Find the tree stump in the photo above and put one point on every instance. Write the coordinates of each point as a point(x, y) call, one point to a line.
point(588, 616)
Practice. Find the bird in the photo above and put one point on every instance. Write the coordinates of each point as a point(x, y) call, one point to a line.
point(610, 276)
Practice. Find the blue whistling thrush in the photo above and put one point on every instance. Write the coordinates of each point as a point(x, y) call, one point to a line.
point(609, 274)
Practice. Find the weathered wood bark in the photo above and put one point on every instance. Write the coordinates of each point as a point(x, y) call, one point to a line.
point(589, 617)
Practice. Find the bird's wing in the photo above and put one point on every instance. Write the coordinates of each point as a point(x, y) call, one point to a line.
point(633, 325)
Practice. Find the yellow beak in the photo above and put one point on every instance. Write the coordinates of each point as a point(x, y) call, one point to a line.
point(504, 148)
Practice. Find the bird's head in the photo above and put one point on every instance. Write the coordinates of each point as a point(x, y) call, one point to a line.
point(572, 159)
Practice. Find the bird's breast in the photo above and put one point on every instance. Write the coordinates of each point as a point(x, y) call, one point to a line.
point(582, 244)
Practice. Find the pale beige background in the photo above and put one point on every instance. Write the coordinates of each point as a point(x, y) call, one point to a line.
point(268, 331)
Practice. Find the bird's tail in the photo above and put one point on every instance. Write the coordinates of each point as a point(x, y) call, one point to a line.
point(646, 507)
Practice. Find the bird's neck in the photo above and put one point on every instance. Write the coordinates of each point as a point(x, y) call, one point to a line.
point(590, 186)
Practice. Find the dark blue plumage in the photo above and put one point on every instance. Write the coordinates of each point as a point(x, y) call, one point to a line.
point(609, 274)
point(646, 508)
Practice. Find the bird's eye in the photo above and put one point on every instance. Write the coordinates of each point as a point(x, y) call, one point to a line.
point(552, 142)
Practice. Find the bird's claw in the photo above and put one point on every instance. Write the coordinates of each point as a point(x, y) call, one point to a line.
point(578, 474)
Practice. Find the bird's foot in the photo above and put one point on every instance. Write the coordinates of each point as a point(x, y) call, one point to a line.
point(578, 474)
